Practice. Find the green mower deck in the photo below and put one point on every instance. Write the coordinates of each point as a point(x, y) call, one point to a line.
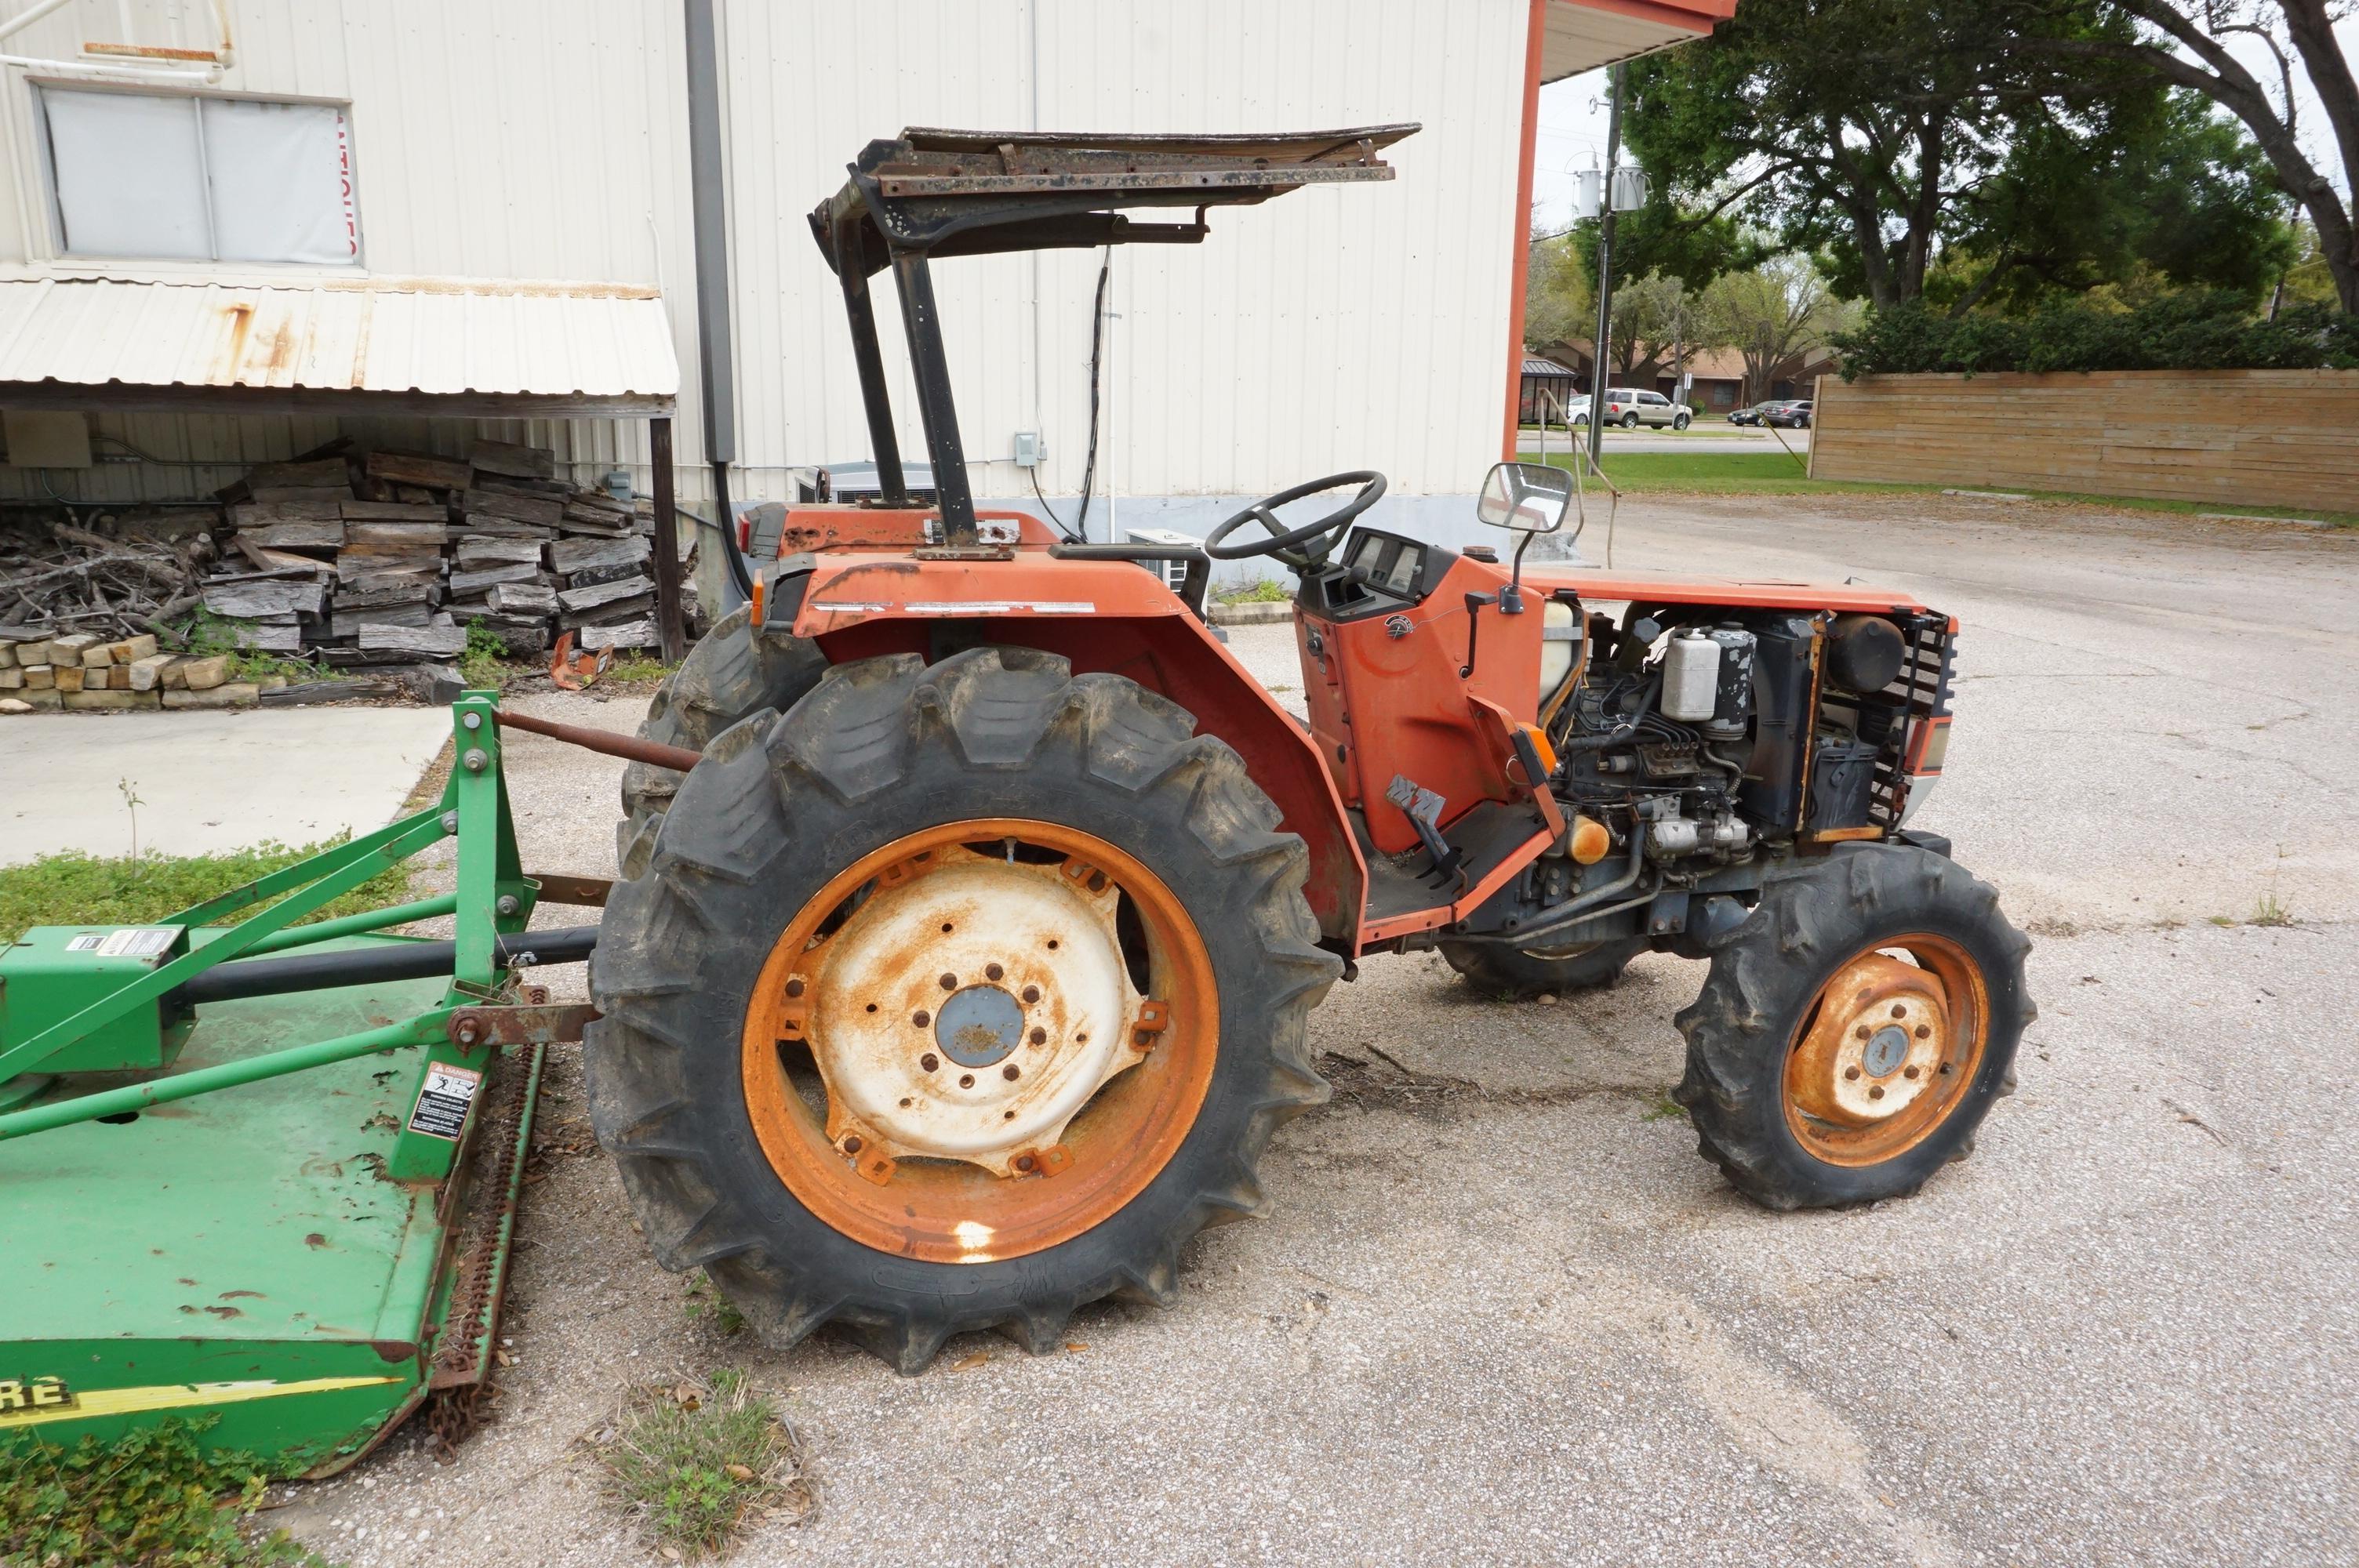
point(244, 1252)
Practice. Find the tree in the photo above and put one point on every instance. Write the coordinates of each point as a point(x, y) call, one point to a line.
point(1771, 315)
point(1879, 134)
point(2186, 42)
point(1558, 304)
point(2181, 198)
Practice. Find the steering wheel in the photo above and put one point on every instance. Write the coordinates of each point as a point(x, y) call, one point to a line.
point(1287, 544)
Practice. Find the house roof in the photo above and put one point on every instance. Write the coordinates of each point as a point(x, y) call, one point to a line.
point(441, 346)
point(1534, 365)
point(1583, 35)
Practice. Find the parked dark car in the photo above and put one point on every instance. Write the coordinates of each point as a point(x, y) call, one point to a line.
point(1750, 415)
point(1792, 416)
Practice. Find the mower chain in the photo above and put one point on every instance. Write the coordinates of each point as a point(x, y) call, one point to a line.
point(461, 1373)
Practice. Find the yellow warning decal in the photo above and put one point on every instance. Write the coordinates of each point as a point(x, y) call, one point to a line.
point(36, 1400)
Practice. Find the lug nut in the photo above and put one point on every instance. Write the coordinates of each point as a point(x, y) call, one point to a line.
point(930, 1061)
point(1851, 1072)
point(1031, 993)
point(993, 971)
point(1861, 1031)
point(1008, 1071)
point(1909, 1074)
point(1876, 1093)
point(1924, 1031)
point(949, 982)
point(921, 1017)
point(1898, 1011)
point(1040, 1037)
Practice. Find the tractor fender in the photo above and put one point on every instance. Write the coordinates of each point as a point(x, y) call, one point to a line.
point(1107, 616)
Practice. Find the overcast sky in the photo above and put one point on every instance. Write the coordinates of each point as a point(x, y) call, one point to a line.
point(1573, 128)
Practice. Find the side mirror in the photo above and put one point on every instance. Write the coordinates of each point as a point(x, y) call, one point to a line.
point(1528, 498)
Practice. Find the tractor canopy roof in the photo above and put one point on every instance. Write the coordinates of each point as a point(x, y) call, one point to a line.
point(976, 192)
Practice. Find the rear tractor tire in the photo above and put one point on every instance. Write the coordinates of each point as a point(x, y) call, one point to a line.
point(954, 999)
point(735, 671)
point(1854, 1032)
point(1510, 974)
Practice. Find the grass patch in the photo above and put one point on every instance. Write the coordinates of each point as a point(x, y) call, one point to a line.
point(1776, 473)
point(1663, 1108)
point(698, 1468)
point(153, 1496)
point(2270, 909)
point(637, 665)
point(1261, 590)
point(76, 889)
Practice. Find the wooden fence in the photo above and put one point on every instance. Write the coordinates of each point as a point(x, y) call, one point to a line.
point(2231, 438)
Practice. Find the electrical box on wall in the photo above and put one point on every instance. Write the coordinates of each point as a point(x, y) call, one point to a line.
point(1029, 450)
point(42, 439)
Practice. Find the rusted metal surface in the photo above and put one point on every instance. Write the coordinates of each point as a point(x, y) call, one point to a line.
point(546, 1026)
point(935, 967)
point(462, 1353)
point(927, 162)
point(993, 1080)
point(586, 892)
point(628, 747)
point(1892, 1048)
point(440, 337)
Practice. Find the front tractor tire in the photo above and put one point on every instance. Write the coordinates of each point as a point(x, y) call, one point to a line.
point(1510, 974)
point(954, 999)
point(1853, 1033)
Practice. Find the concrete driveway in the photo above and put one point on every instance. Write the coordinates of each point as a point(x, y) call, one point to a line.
point(207, 781)
point(1501, 1312)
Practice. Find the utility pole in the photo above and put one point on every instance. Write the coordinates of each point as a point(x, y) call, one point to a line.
point(1597, 376)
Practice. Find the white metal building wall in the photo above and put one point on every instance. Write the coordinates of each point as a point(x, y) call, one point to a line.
point(541, 139)
point(1333, 328)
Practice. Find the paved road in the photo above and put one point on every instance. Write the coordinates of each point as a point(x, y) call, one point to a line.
point(1502, 1311)
point(1703, 438)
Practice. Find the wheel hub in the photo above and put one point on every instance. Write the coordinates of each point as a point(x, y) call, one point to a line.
point(980, 1026)
point(968, 1009)
point(1878, 1043)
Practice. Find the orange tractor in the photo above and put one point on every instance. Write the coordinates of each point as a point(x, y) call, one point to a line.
point(965, 975)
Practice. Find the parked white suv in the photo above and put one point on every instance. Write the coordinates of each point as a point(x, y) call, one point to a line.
point(1630, 408)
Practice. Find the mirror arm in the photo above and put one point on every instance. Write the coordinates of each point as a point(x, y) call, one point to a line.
point(1511, 598)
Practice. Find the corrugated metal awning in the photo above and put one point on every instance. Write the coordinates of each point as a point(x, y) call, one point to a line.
point(1585, 34)
point(455, 347)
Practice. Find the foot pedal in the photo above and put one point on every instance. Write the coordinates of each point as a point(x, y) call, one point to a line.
point(1423, 809)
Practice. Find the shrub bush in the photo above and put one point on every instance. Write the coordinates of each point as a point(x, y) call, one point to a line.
point(2191, 331)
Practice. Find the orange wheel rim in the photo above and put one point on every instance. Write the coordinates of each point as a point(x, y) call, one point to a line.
point(980, 1040)
point(1887, 1049)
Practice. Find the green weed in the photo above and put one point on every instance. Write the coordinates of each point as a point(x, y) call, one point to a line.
point(1663, 1108)
point(1261, 590)
point(151, 1497)
point(699, 1466)
point(706, 1305)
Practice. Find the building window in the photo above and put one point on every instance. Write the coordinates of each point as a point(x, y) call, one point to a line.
point(228, 179)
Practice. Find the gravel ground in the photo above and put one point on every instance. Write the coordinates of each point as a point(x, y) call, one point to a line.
point(1501, 1300)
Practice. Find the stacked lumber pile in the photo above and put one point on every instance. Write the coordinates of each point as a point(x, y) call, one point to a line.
point(83, 670)
point(387, 557)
